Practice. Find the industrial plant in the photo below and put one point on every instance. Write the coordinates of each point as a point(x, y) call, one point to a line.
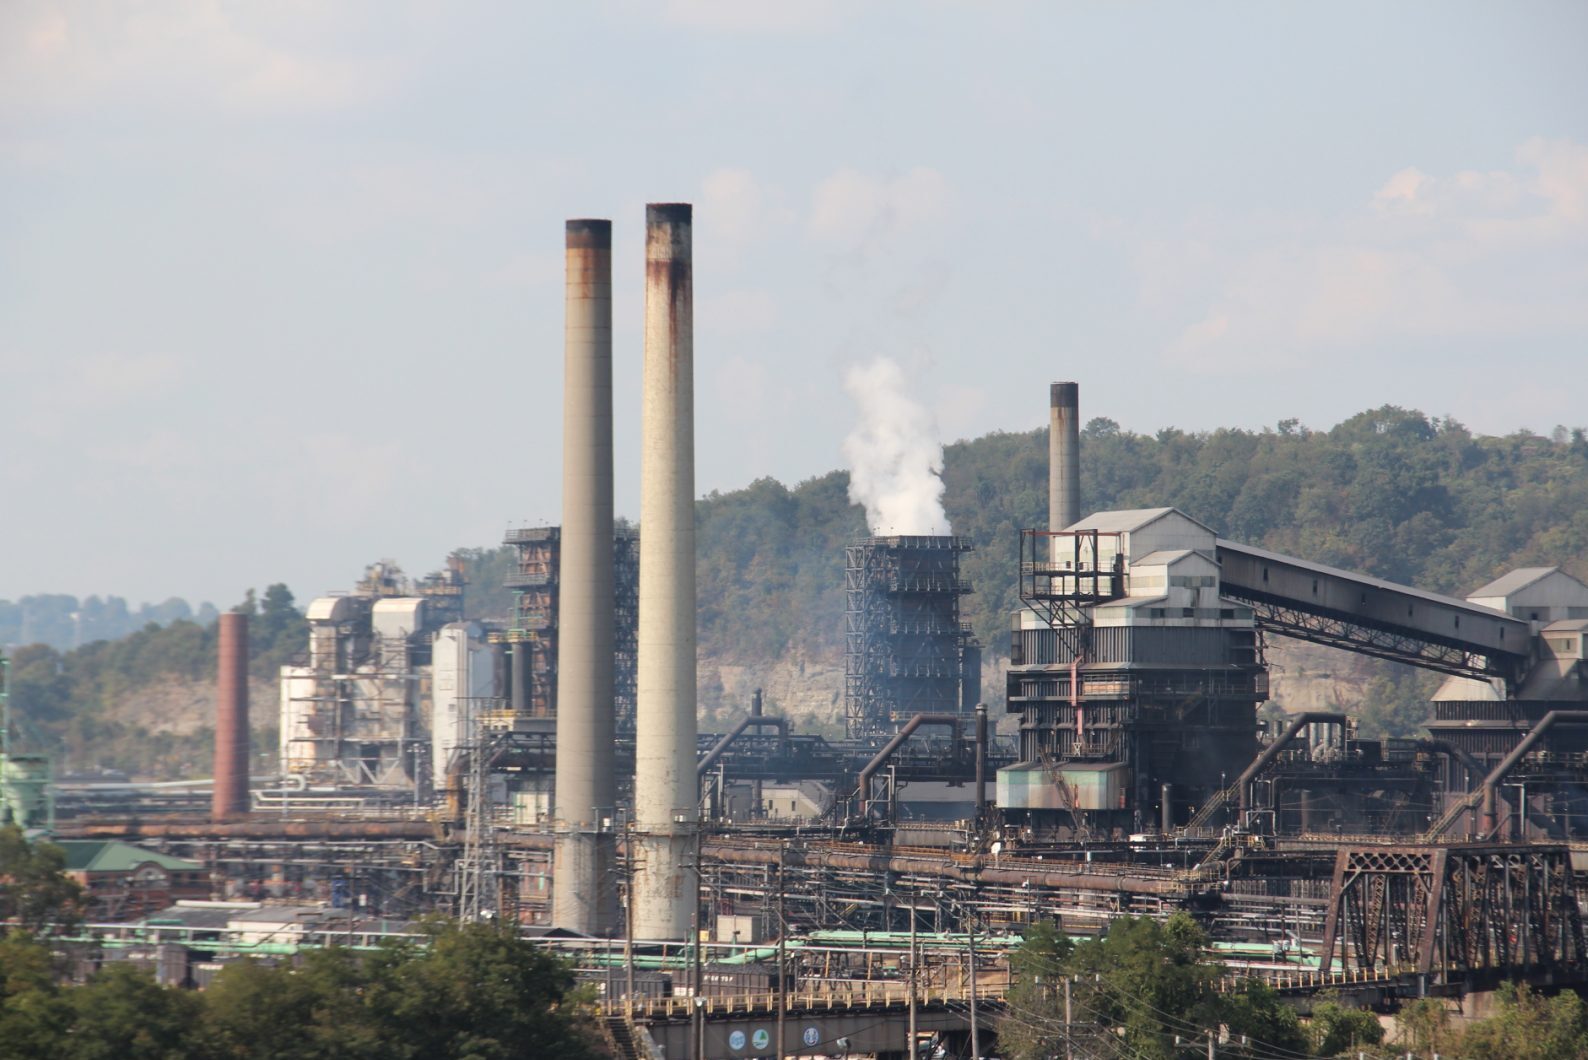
point(769, 891)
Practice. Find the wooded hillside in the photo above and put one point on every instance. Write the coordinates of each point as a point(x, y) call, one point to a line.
point(1390, 492)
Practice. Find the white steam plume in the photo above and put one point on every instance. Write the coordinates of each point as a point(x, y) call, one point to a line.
point(895, 459)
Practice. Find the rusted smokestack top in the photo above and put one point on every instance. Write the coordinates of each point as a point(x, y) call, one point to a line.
point(657, 213)
point(585, 898)
point(1064, 456)
point(230, 797)
point(666, 793)
point(669, 239)
point(588, 233)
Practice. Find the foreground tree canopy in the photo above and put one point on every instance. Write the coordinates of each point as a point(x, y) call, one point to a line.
point(1147, 991)
point(473, 992)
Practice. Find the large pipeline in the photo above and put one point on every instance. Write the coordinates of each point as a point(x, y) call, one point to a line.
point(1300, 721)
point(229, 798)
point(1491, 783)
point(666, 789)
point(745, 725)
point(794, 853)
point(869, 770)
point(1004, 871)
point(261, 827)
point(586, 788)
point(1473, 767)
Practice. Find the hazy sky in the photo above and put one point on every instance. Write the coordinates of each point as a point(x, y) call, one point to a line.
point(280, 283)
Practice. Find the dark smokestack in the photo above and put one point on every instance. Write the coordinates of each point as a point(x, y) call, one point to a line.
point(230, 797)
point(1064, 455)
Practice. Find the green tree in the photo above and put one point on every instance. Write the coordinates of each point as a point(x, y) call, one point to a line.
point(1337, 1030)
point(1142, 987)
point(278, 634)
point(1529, 1026)
point(1424, 1026)
point(476, 992)
point(123, 1014)
point(317, 1010)
point(34, 1017)
point(1036, 994)
point(1259, 1022)
point(1150, 981)
point(34, 888)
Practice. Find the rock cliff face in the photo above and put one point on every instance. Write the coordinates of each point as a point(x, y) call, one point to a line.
point(183, 707)
point(1305, 676)
point(165, 730)
point(807, 687)
point(811, 688)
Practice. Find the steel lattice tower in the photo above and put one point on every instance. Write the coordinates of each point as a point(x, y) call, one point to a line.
point(907, 650)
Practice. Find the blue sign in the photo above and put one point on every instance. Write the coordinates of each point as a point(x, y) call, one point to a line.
point(761, 1038)
point(811, 1036)
point(736, 1041)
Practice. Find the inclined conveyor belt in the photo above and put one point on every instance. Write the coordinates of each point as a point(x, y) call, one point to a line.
point(1369, 615)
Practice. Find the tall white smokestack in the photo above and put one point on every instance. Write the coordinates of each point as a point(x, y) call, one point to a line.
point(584, 895)
point(666, 794)
point(1064, 455)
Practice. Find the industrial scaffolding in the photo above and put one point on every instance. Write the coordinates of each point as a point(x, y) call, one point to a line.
point(907, 650)
point(626, 615)
point(352, 708)
point(532, 633)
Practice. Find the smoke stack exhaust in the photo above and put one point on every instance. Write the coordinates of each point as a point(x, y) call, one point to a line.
point(666, 793)
point(230, 796)
point(584, 898)
point(1064, 455)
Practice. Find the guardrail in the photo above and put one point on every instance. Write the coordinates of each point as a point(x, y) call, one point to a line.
point(868, 996)
point(891, 994)
point(1301, 980)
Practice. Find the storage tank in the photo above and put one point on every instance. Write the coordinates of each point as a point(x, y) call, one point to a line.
point(25, 791)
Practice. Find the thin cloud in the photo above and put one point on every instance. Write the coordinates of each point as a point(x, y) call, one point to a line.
point(203, 56)
point(850, 207)
point(749, 17)
point(1427, 256)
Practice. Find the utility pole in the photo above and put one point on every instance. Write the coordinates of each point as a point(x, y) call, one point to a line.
point(694, 930)
point(628, 917)
point(1069, 1050)
point(975, 1037)
point(912, 977)
point(782, 933)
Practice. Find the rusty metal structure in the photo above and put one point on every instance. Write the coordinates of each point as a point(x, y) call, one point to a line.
point(530, 636)
point(1475, 911)
point(230, 795)
point(1142, 780)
